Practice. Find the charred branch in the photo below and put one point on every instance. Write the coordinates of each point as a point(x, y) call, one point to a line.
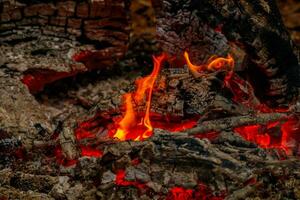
point(232, 122)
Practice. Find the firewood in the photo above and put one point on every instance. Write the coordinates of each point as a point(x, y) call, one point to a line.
point(47, 41)
point(206, 28)
point(232, 122)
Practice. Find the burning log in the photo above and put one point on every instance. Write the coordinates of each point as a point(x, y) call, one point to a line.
point(206, 28)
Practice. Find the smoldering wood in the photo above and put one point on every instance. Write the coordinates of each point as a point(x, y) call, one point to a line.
point(178, 93)
point(206, 28)
point(233, 122)
point(41, 37)
point(163, 155)
point(166, 160)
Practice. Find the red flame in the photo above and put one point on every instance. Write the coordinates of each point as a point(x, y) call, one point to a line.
point(131, 126)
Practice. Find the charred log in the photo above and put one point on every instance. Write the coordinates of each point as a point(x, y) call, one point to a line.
point(207, 28)
point(50, 40)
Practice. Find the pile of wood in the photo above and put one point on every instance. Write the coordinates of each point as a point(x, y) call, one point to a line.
point(55, 145)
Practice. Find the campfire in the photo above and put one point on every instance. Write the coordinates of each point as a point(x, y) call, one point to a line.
point(198, 101)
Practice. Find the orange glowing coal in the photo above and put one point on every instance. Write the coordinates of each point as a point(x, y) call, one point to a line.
point(132, 126)
point(213, 64)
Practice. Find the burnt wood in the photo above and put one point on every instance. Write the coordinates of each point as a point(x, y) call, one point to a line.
point(62, 38)
point(209, 27)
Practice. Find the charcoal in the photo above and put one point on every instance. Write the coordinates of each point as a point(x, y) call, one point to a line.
point(213, 137)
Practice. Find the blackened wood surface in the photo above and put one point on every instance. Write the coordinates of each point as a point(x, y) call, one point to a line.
point(47, 34)
point(205, 27)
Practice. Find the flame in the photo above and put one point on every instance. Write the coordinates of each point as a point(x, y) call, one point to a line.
point(128, 121)
point(128, 127)
point(214, 63)
point(133, 127)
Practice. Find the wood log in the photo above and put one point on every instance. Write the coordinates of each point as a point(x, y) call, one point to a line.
point(50, 40)
point(209, 27)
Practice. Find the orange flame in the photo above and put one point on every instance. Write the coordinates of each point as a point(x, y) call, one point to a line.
point(214, 63)
point(134, 127)
point(128, 127)
point(128, 121)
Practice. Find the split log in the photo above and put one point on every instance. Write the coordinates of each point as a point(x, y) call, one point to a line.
point(47, 41)
point(206, 28)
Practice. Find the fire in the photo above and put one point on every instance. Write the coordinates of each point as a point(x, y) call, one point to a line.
point(134, 127)
point(131, 127)
point(214, 63)
point(279, 135)
point(129, 120)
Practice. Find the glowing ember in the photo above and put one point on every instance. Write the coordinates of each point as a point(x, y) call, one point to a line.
point(35, 80)
point(174, 125)
point(214, 63)
point(273, 135)
point(201, 192)
point(178, 193)
point(131, 126)
point(120, 180)
point(90, 152)
point(82, 56)
point(210, 135)
point(60, 158)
